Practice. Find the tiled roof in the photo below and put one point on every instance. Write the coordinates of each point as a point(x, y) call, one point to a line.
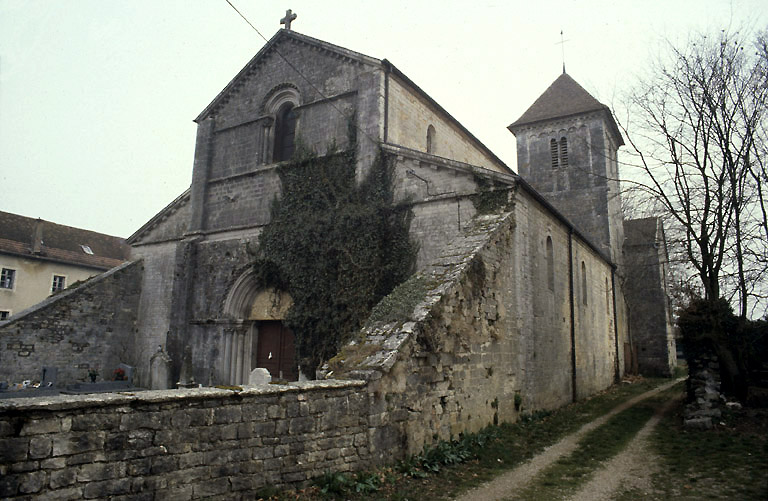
point(563, 98)
point(39, 239)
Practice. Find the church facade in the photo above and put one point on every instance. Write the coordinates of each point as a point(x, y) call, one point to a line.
point(528, 305)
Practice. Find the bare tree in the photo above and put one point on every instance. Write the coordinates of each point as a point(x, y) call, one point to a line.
point(697, 129)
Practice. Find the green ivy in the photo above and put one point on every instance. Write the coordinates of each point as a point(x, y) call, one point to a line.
point(336, 246)
point(492, 196)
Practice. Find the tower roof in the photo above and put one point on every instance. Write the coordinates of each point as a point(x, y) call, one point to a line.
point(565, 97)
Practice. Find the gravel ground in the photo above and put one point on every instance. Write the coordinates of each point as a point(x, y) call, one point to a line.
point(630, 469)
point(505, 485)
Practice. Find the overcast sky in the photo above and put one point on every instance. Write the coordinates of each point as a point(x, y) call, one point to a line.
point(97, 97)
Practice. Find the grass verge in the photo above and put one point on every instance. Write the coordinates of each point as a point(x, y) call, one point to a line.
point(727, 462)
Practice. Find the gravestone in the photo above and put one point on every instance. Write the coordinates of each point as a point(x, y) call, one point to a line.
point(160, 370)
point(259, 377)
point(49, 377)
point(127, 372)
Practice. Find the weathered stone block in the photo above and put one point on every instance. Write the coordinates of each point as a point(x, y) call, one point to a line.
point(163, 464)
point(139, 420)
point(70, 494)
point(62, 478)
point(77, 442)
point(100, 471)
point(40, 447)
point(138, 467)
point(53, 463)
point(231, 414)
point(301, 425)
point(107, 488)
point(25, 466)
point(177, 493)
point(213, 487)
point(90, 421)
point(13, 449)
point(85, 457)
point(32, 482)
point(41, 426)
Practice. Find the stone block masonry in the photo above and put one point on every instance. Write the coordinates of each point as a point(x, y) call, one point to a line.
point(81, 328)
point(181, 444)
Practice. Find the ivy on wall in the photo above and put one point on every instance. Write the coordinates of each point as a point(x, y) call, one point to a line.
point(336, 246)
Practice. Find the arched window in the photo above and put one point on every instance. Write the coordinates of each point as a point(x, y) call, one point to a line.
point(431, 139)
point(285, 132)
point(563, 152)
point(583, 283)
point(553, 152)
point(550, 265)
point(607, 296)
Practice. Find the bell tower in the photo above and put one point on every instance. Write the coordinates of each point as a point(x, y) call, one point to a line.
point(566, 148)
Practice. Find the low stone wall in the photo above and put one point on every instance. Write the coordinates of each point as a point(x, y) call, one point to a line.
point(181, 444)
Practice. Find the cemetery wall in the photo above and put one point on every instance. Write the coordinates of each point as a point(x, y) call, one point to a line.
point(181, 444)
point(81, 328)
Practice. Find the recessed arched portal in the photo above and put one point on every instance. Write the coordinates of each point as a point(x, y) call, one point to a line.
point(258, 338)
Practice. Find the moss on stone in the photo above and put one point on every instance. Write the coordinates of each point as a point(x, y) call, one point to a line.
point(398, 305)
point(351, 356)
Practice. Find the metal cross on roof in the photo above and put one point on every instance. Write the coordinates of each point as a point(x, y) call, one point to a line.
point(289, 16)
point(561, 43)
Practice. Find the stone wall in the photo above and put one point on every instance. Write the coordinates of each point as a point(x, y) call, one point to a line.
point(650, 316)
point(410, 114)
point(184, 444)
point(87, 327)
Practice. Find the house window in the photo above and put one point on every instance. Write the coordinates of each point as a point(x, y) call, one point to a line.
point(285, 132)
point(583, 283)
point(4, 314)
point(563, 152)
point(431, 139)
point(59, 282)
point(553, 152)
point(607, 296)
point(7, 278)
point(550, 265)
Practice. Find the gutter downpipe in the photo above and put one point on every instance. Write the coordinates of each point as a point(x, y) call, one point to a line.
point(617, 375)
point(386, 102)
point(573, 314)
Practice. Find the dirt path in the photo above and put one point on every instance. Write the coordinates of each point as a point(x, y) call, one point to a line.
point(516, 479)
point(630, 469)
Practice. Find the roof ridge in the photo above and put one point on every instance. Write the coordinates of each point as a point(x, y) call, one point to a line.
point(222, 97)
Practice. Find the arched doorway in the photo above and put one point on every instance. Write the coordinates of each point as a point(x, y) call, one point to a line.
point(258, 338)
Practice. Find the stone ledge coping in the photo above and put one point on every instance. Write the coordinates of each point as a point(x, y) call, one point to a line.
point(93, 400)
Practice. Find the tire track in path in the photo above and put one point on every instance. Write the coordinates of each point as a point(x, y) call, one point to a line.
point(504, 486)
point(631, 468)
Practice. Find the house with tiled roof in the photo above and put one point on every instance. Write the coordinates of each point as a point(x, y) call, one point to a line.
point(39, 258)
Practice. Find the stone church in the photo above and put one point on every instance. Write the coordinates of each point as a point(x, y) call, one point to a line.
point(544, 297)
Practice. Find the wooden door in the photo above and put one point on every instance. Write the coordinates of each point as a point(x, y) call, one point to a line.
point(275, 350)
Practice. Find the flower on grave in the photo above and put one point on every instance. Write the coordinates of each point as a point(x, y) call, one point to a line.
point(93, 374)
point(119, 374)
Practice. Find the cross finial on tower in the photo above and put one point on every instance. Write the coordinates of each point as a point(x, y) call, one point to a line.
point(561, 43)
point(289, 16)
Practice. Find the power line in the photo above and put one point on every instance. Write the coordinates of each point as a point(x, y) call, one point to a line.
point(294, 68)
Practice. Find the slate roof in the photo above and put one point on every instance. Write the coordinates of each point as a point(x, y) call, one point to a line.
point(641, 231)
point(38, 239)
point(565, 97)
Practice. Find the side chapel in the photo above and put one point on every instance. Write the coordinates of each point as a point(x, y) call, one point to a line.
point(554, 317)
